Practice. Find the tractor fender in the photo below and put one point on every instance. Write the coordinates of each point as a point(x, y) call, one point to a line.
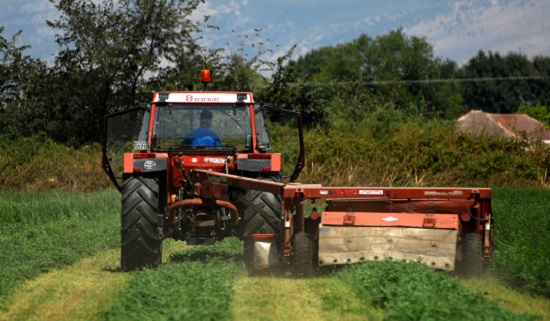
point(261, 163)
point(133, 164)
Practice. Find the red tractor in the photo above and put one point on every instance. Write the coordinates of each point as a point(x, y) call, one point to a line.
point(200, 166)
point(179, 132)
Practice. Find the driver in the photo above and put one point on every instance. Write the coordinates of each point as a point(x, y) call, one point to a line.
point(203, 136)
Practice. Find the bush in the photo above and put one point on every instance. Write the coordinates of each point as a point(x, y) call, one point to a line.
point(38, 164)
point(434, 154)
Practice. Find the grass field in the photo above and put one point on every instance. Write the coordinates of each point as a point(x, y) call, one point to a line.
point(41, 231)
point(60, 262)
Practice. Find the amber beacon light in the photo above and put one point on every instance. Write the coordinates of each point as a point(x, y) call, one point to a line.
point(205, 76)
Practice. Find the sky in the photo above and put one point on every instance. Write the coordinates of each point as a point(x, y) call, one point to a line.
point(457, 30)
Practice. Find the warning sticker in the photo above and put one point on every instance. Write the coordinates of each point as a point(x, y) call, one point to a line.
point(371, 192)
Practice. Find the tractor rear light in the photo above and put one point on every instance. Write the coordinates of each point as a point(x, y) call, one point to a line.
point(266, 169)
point(137, 170)
point(314, 215)
point(163, 96)
point(205, 76)
point(259, 156)
point(241, 96)
point(145, 155)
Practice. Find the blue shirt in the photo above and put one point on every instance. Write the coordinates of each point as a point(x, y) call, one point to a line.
point(202, 137)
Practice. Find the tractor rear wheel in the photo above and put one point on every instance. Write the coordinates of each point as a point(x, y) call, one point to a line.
point(140, 242)
point(261, 214)
point(472, 255)
point(303, 256)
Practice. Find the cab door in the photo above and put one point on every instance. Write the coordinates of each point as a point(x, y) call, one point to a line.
point(280, 131)
point(123, 132)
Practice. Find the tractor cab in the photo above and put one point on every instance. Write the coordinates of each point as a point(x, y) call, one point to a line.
point(219, 131)
point(182, 124)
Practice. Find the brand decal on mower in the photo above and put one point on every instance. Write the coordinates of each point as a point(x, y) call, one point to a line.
point(214, 160)
point(149, 164)
point(457, 193)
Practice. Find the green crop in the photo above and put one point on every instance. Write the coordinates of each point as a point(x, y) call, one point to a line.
point(412, 291)
point(195, 285)
point(522, 240)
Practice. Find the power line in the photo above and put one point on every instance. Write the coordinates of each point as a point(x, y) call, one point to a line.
point(428, 81)
point(424, 81)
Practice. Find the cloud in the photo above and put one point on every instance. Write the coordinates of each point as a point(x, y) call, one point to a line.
point(456, 29)
point(41, 35)
point(468, 27)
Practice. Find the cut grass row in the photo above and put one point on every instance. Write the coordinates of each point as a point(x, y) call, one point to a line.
point(209, 283)
point(195, 285)
point(41, 231)
point(414, 292)
point(85, 290)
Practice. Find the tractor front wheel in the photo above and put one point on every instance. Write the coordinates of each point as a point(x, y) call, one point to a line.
point(140, 242)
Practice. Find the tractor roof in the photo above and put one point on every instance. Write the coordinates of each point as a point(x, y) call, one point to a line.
point(207, 97)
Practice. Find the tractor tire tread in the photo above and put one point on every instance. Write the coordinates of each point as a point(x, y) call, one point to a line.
point(140, 241)
point(262, 217)
point(302, 260)
point(472, 255)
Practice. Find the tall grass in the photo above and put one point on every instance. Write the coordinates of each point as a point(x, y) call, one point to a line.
point(40, 231)
point(40, 164)
point(433, 154)
point(522, 238)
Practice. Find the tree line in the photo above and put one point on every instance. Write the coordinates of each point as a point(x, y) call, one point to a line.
point(400, 73)
point(113, 56)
